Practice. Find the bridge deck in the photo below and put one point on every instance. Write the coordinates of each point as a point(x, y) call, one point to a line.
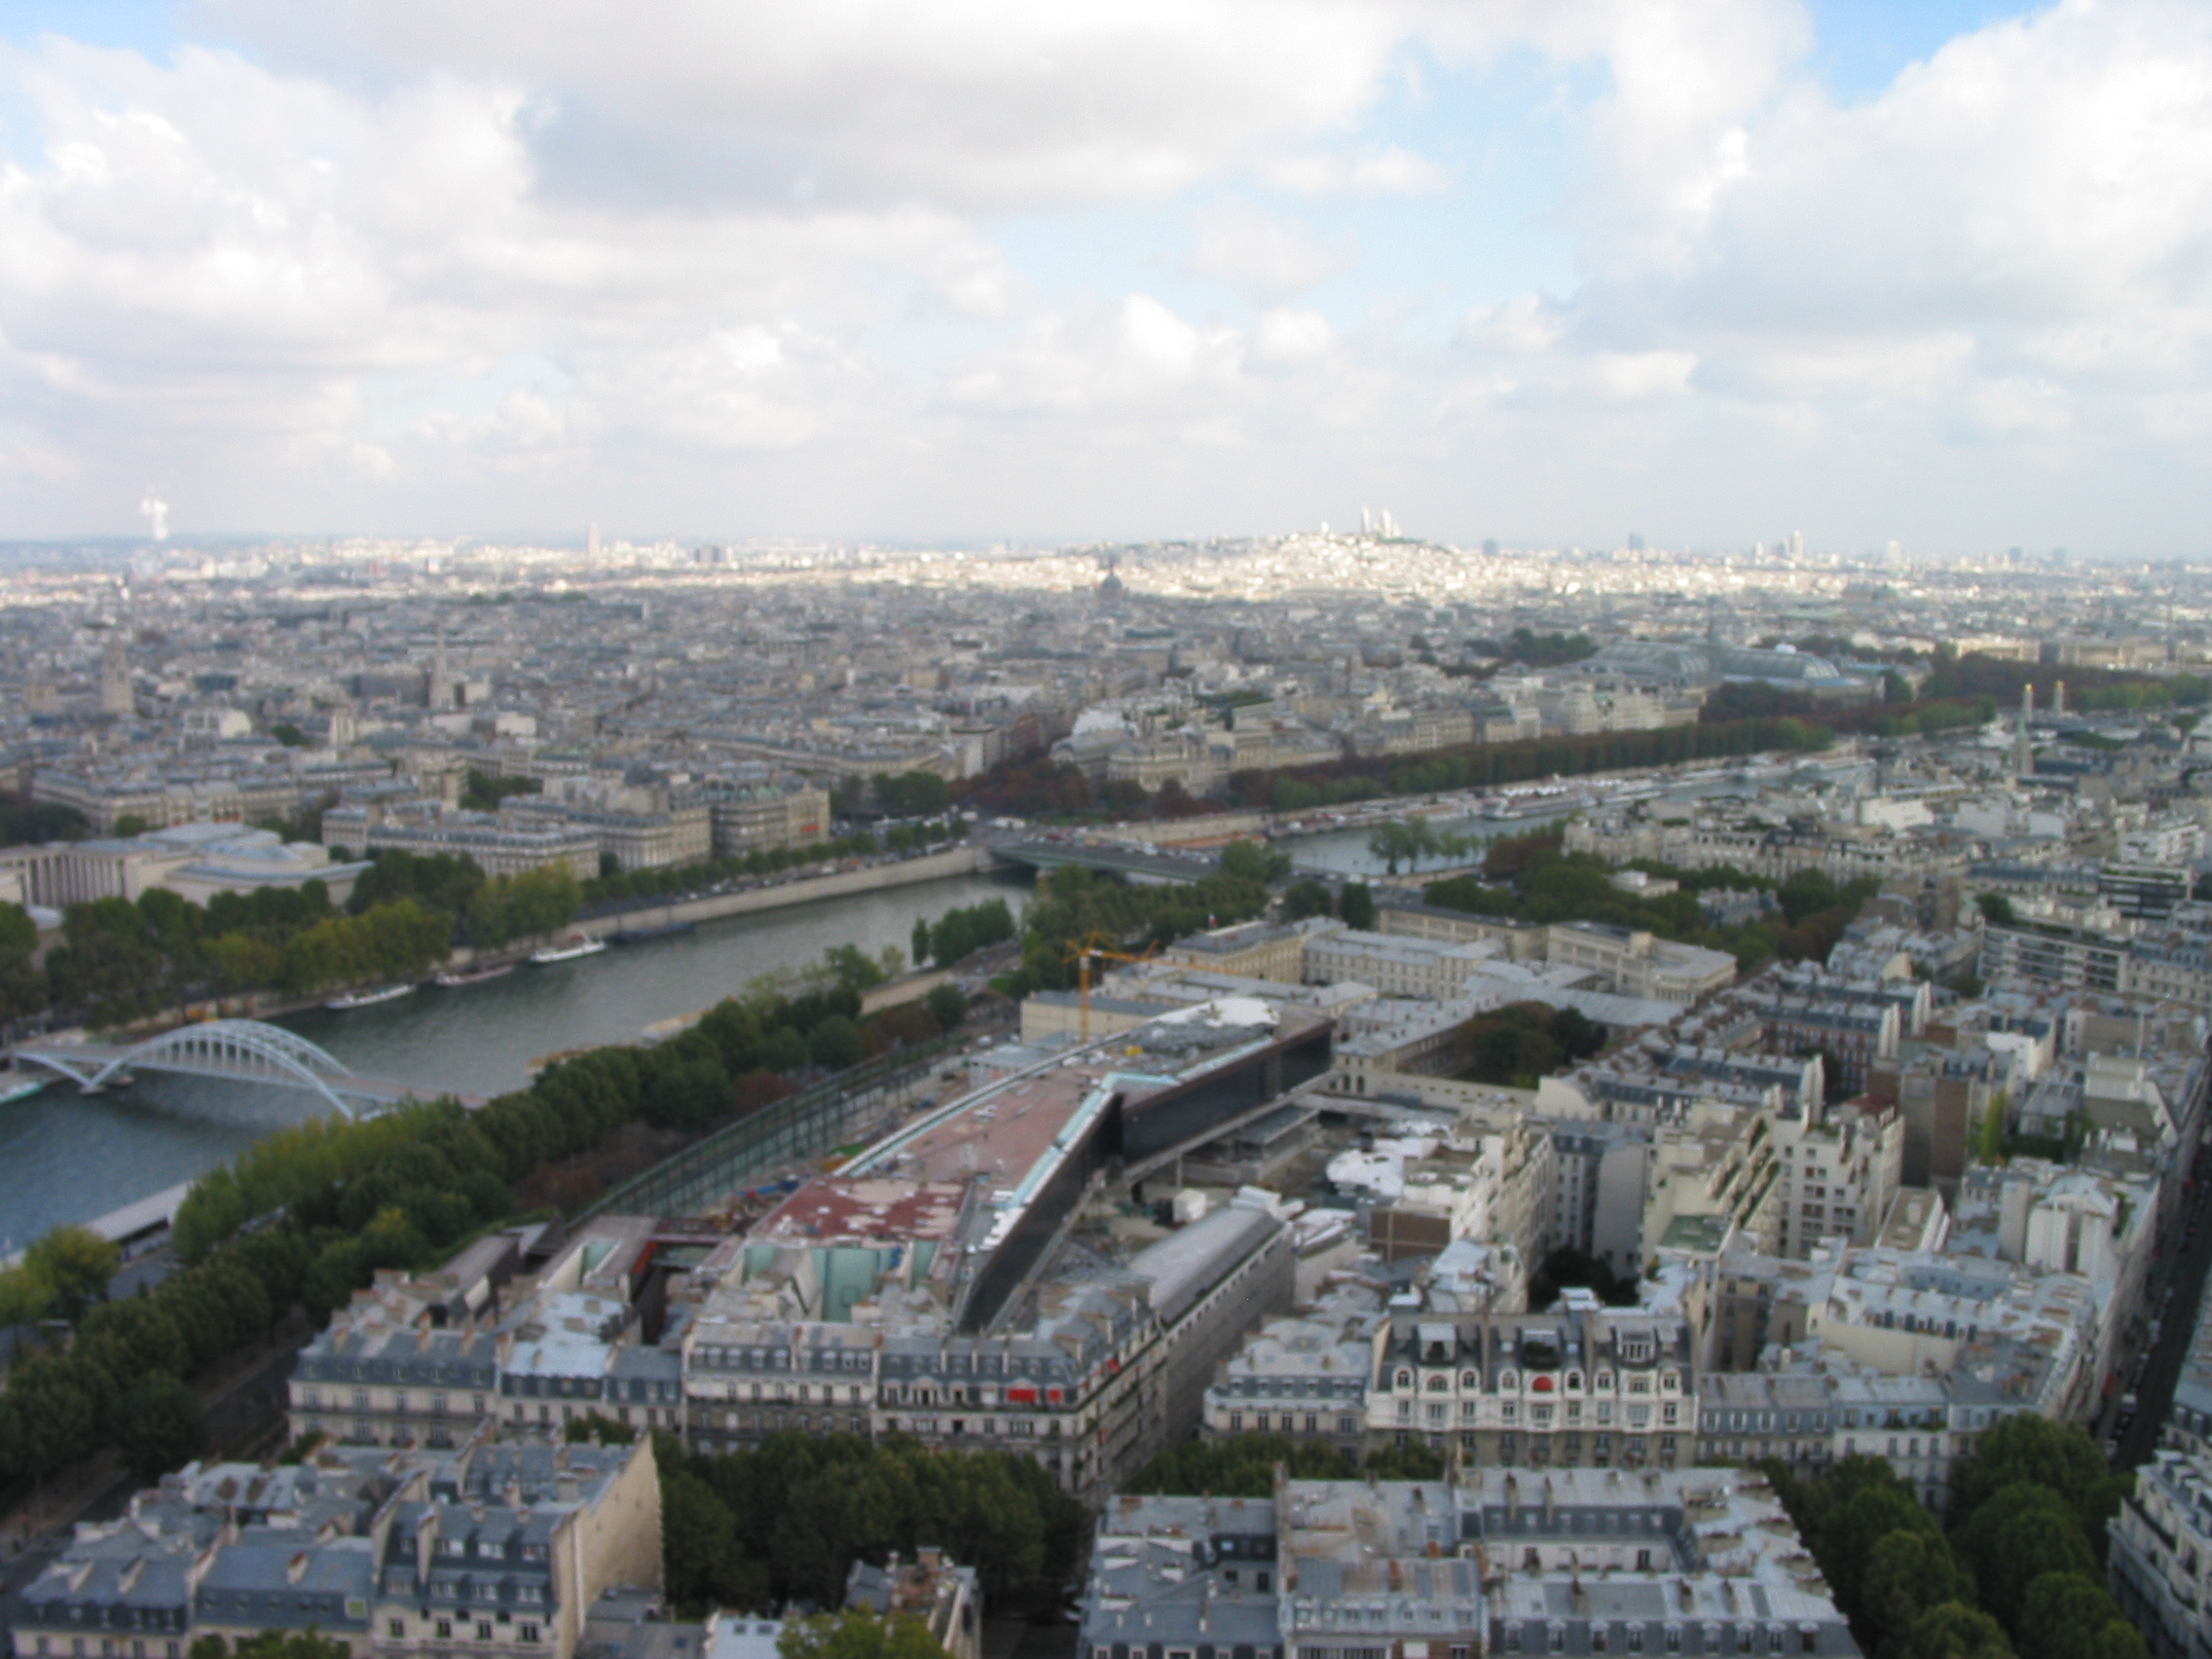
point(1121, 860)
point(65, 1058)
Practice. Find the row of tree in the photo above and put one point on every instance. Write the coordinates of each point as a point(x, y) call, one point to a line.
point(1522, 1042)
point(959, 934)
point(1243, 1465)
point(1354, 903)
point(123, 1379)
point(1531, 879)
point(782, 1523)
point(1073, 906)
point(668, 881)
point(2019, 1570)
point(1482, 765)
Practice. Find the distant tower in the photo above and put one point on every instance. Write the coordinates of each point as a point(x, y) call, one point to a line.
point(1797, 544)
point(115, 680)
point(1490, 547)
point(2058, 700)
point(591, 544)
point(441, 681)
point(2023, 757)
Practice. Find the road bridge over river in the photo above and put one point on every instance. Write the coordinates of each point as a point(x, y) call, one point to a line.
point(1131, 861)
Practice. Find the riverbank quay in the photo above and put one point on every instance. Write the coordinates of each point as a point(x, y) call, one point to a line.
point(639, 915)
point(271, 1005)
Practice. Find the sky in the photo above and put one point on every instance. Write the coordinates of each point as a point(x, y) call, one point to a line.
point(964, 271)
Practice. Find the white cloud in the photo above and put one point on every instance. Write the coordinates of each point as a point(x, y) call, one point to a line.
point(976, 102)
point(1383, 170)
point(1285, 336)
point(1267, 255)
point(420, 255)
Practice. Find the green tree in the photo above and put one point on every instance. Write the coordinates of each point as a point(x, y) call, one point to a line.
point(25, 1297)
point(947, 1005)
point(1908, 1573)
point(1254, 861)
point(270, 1645)
point(2068, 1616)
point(912, 794)
point(53, 1413)
point(1996, 910)
point(783, 1050)
point(1852, 1530)
point(919, 944)
point(1355, 904)
point(1308, 898)
point(158, 1426)
point(288, 734)
point(835, 1042)
point(1956, 1631)
point(2015, 1536)
point(688, 1096)
point(853, 967)
point(859, 1634)
point(2027, 1448)
point(75, 1263)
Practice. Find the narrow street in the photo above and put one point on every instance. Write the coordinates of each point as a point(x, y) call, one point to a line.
point(2184, 1273)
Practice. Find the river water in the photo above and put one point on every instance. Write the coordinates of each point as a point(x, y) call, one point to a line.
point(66, 1156)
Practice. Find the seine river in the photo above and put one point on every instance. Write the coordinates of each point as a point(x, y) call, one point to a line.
point(65, 1156)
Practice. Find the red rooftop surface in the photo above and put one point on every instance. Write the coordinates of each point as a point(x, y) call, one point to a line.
point(864, 1208)
point(1005, 1132)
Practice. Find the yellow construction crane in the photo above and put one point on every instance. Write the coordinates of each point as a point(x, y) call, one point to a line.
point(1099, 945)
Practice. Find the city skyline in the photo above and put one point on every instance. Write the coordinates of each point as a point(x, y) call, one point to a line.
point(1552, 275)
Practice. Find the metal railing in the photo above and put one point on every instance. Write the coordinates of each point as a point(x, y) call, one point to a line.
point(794, 1129)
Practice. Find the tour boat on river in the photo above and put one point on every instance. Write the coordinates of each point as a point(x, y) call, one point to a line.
point(364, 999)
point(455, 978)
point(568, 948)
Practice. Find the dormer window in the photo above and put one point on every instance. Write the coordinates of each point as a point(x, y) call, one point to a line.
point(1405, 1380)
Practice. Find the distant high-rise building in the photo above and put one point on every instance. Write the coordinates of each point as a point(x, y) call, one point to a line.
point(441, 681)
point(1797, 544)
point(115, 679)
point(591, 544)
point(1490, 547)
point(1635, 542)
point(2023, 756)
point(2058, 700)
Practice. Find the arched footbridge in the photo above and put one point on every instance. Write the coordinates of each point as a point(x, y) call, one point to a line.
point(232, 1051)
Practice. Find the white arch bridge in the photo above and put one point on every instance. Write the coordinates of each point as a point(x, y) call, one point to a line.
point(234, 1050)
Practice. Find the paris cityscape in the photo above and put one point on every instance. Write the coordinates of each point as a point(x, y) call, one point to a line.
point(1389, 851)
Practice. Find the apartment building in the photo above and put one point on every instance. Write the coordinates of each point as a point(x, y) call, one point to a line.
point(1592, 1389)
point(1630, 962)
point(497, 1551)
point(757, 818)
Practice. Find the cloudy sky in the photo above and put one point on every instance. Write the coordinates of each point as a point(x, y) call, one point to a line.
point(1551, 270)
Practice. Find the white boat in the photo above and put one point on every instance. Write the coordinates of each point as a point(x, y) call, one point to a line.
point(363, 999)
point(454, 978)
point(568, 948)
point(17, 1084)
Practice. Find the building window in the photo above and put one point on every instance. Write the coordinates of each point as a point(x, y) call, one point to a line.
point(445, 1630)
point(484, 1631)
point(529, 1633)
point(397, 1630)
